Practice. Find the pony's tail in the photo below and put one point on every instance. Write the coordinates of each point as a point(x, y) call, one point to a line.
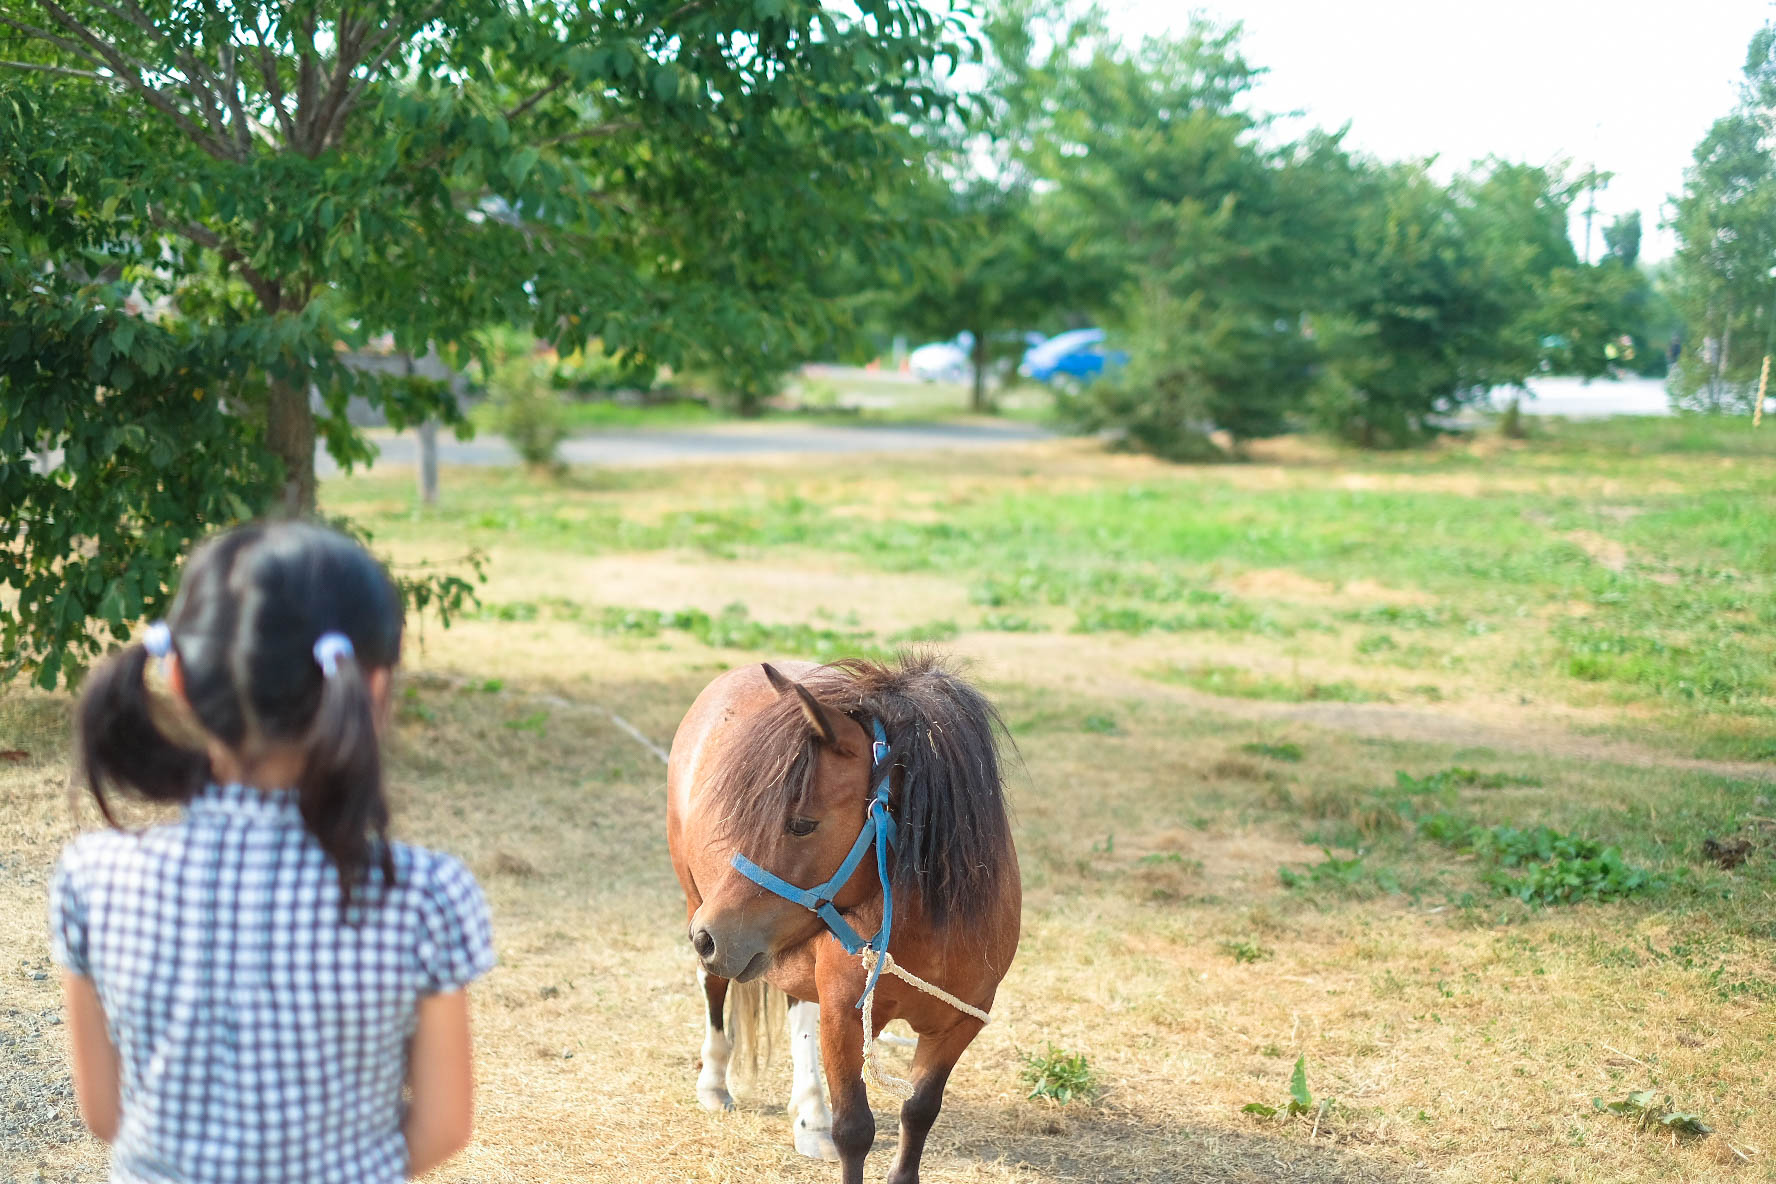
point(756, 1010)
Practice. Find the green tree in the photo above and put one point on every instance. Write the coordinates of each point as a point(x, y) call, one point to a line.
point(662, 175)
point(995, 271)
point(1220, 241)
point(275, 180)
point(1451, 291)
point(1724, 274)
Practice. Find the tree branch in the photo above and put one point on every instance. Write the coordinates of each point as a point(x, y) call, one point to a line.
point(534, 99)
point(597, 131)
point(73, 47)
point(200, 84)
point(274, 86)
point(243, 125)
point(267, 290)
point(350, 39)
point(72, 73)
point(135, 74)
point(389, 47)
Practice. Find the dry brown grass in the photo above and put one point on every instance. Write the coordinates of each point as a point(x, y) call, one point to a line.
point(1458, 1044)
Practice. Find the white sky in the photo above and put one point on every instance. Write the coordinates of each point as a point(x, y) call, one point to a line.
point(1629, 84)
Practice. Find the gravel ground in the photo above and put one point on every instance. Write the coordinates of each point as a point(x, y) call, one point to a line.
point(41, 1137)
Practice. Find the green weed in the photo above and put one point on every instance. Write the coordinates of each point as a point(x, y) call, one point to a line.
point(1647, 1112)
point(1063, 1076)
point(1300, 1102)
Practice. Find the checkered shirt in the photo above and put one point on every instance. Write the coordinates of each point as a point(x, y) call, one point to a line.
point(260, 1038)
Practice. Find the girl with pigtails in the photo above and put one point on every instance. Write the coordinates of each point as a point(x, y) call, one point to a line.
point(268, 989)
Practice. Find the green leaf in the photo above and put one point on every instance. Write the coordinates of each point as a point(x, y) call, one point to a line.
point(519, 165)
point(1298, 1084)
point(1260, 1109)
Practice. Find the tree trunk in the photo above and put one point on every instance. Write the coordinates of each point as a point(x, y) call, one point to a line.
point(977, 400)
point(428, 462)
point(290, 434)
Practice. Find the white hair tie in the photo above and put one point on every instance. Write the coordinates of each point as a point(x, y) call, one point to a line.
point(157, 639)
point(329, 648)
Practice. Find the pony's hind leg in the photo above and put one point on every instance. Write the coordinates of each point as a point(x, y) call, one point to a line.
point(807, 1102)
point(932, 1063)
point(712, 1079)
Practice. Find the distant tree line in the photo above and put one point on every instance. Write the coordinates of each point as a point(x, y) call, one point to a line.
point(1724, 275)
point(1258, 280)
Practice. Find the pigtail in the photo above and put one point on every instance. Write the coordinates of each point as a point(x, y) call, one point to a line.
point(125, 738)
point(341, 792)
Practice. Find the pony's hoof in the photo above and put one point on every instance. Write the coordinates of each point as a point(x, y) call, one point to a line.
point(816, 1144)
point(715, 1099)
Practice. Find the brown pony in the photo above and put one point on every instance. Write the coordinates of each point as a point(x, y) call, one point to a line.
point(781, 773)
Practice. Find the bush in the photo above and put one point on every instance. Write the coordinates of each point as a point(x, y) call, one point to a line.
point(526, 407)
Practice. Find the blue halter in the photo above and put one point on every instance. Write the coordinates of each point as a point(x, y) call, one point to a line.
point(878, 829)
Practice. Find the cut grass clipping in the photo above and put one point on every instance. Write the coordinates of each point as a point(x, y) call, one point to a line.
point(1061, 1075)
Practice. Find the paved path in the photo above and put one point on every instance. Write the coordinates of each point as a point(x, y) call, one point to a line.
point(1578, 399)
point(631, 447)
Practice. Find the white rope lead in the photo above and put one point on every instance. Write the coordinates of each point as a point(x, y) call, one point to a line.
point(872, 1071)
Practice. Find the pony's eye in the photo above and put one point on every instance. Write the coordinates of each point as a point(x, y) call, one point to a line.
point(801, 826)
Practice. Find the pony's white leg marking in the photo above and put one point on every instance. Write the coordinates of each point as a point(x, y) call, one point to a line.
point(712, 1079)
point(807, 1104)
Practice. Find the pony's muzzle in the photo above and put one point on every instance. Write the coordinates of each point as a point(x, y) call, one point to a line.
point(703, 943)
point(729, 954)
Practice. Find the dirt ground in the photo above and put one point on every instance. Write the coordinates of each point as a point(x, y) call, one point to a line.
point(1452, 1043)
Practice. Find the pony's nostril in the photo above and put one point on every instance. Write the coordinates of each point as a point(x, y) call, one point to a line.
point(703, 943)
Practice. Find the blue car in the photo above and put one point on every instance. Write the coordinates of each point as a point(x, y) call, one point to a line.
point(1074, 357)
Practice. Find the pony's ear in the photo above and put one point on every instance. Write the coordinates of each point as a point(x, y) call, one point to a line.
point(820, 719)
point(778, 683)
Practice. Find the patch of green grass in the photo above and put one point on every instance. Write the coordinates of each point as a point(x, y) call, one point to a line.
point(1060, 1075)
point(1288, 751)
point(1237, 683)
point(733, 628)
point(1353, 877)
point(1489, 543)
point(931, 631)
point(1103, 725)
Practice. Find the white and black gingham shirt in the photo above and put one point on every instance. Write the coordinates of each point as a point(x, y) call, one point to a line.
point(261, 1039)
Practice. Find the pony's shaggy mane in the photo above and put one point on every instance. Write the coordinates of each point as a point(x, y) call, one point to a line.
point(949, 804)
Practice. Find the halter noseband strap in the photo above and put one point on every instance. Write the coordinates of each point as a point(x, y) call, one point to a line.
point(879, 831)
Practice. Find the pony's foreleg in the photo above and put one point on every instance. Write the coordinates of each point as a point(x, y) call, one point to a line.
point(712, 1079)
point(807, 1103)
point(932, 1063)
point(841, 1050)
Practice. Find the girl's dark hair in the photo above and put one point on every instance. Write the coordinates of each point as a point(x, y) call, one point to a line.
point(251, 605)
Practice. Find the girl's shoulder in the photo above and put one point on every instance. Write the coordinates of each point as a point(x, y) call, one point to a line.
point(454, 926)
point(104, 852)
point(434, 882)
point(426, 870)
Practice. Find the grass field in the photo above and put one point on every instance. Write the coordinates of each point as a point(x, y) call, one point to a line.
point(1417, 770)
